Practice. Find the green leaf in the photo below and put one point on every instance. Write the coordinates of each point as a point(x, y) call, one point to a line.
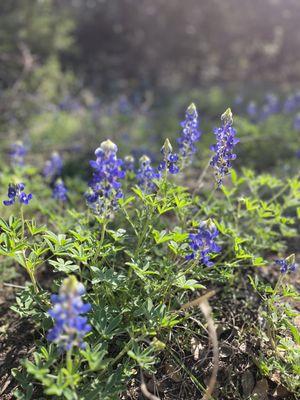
point(65, 266)
point(188, 284)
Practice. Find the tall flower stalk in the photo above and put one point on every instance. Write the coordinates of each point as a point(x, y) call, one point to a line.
point(60, 191)
point(190, 135)
point(146, 174)
point(53, 167)
point(170, 161)
point(223, 149)
point(203, 243)
point(17, 153)
point(70, 326)
point(105, 185)
point(16, 192)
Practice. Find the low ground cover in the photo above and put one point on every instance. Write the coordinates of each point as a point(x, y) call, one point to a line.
point(174, 276)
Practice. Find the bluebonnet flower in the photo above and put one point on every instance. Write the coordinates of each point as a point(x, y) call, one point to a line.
point(170, 159)
point(252, 110)
point(271, 106)
point(203, 243)
point(190, 133)
point(272, 101)
point(105, 188)
point(287, 264)
point(226, 141)
point(17, 153)
point(53, 167)
point(289, 105)
point(170, 164)
point(144, 151)
point(297, 122)
point(145, 175)
point(238, 100)
point(124, 106)
point(70, 326)
point(292, 103)
point(128, 163)
point(69, 104)
point(59, 191)
point(17, 192)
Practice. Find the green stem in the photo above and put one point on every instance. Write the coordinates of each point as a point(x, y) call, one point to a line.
point(69, 365)
point(122, 353)
point(114, 360)
point(200, 180)
point(176, 277)
point(279, 283)
point(206, 201)
point(142, 235)
point(33, 280)
point(281, 191)
point(69, 361)
point(30, 273)
point(129, 220)
point(99, 248)
point(23, 221)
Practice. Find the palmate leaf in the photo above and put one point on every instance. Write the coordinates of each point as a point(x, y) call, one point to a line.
point(62, 265)
point(95, 357)
point(106, 389)
point(25, 381)
point(142, 271)
point(108, 276)
point(163, 236)
point(145, 358)
point(106, 323)
point(187, 284)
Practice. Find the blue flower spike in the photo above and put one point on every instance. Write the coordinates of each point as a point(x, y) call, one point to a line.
point(105, 188)
point(17, 153)
point(190, 134)
point(203, 243)
point(16, 192)
point(129, 163)
point(53, 167)
point(287, 264)
point(297, 122)
point(223, 149)
point(145, 175)
point(70, 326)
point(170, 159)
point(60, 191)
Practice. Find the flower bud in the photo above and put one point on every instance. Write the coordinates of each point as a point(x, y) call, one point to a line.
point(167, 148)
point(158, 345)
point(227, 117)
point(109, 146)
point(144, 159)
point(129, 159)
point(191, 109)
